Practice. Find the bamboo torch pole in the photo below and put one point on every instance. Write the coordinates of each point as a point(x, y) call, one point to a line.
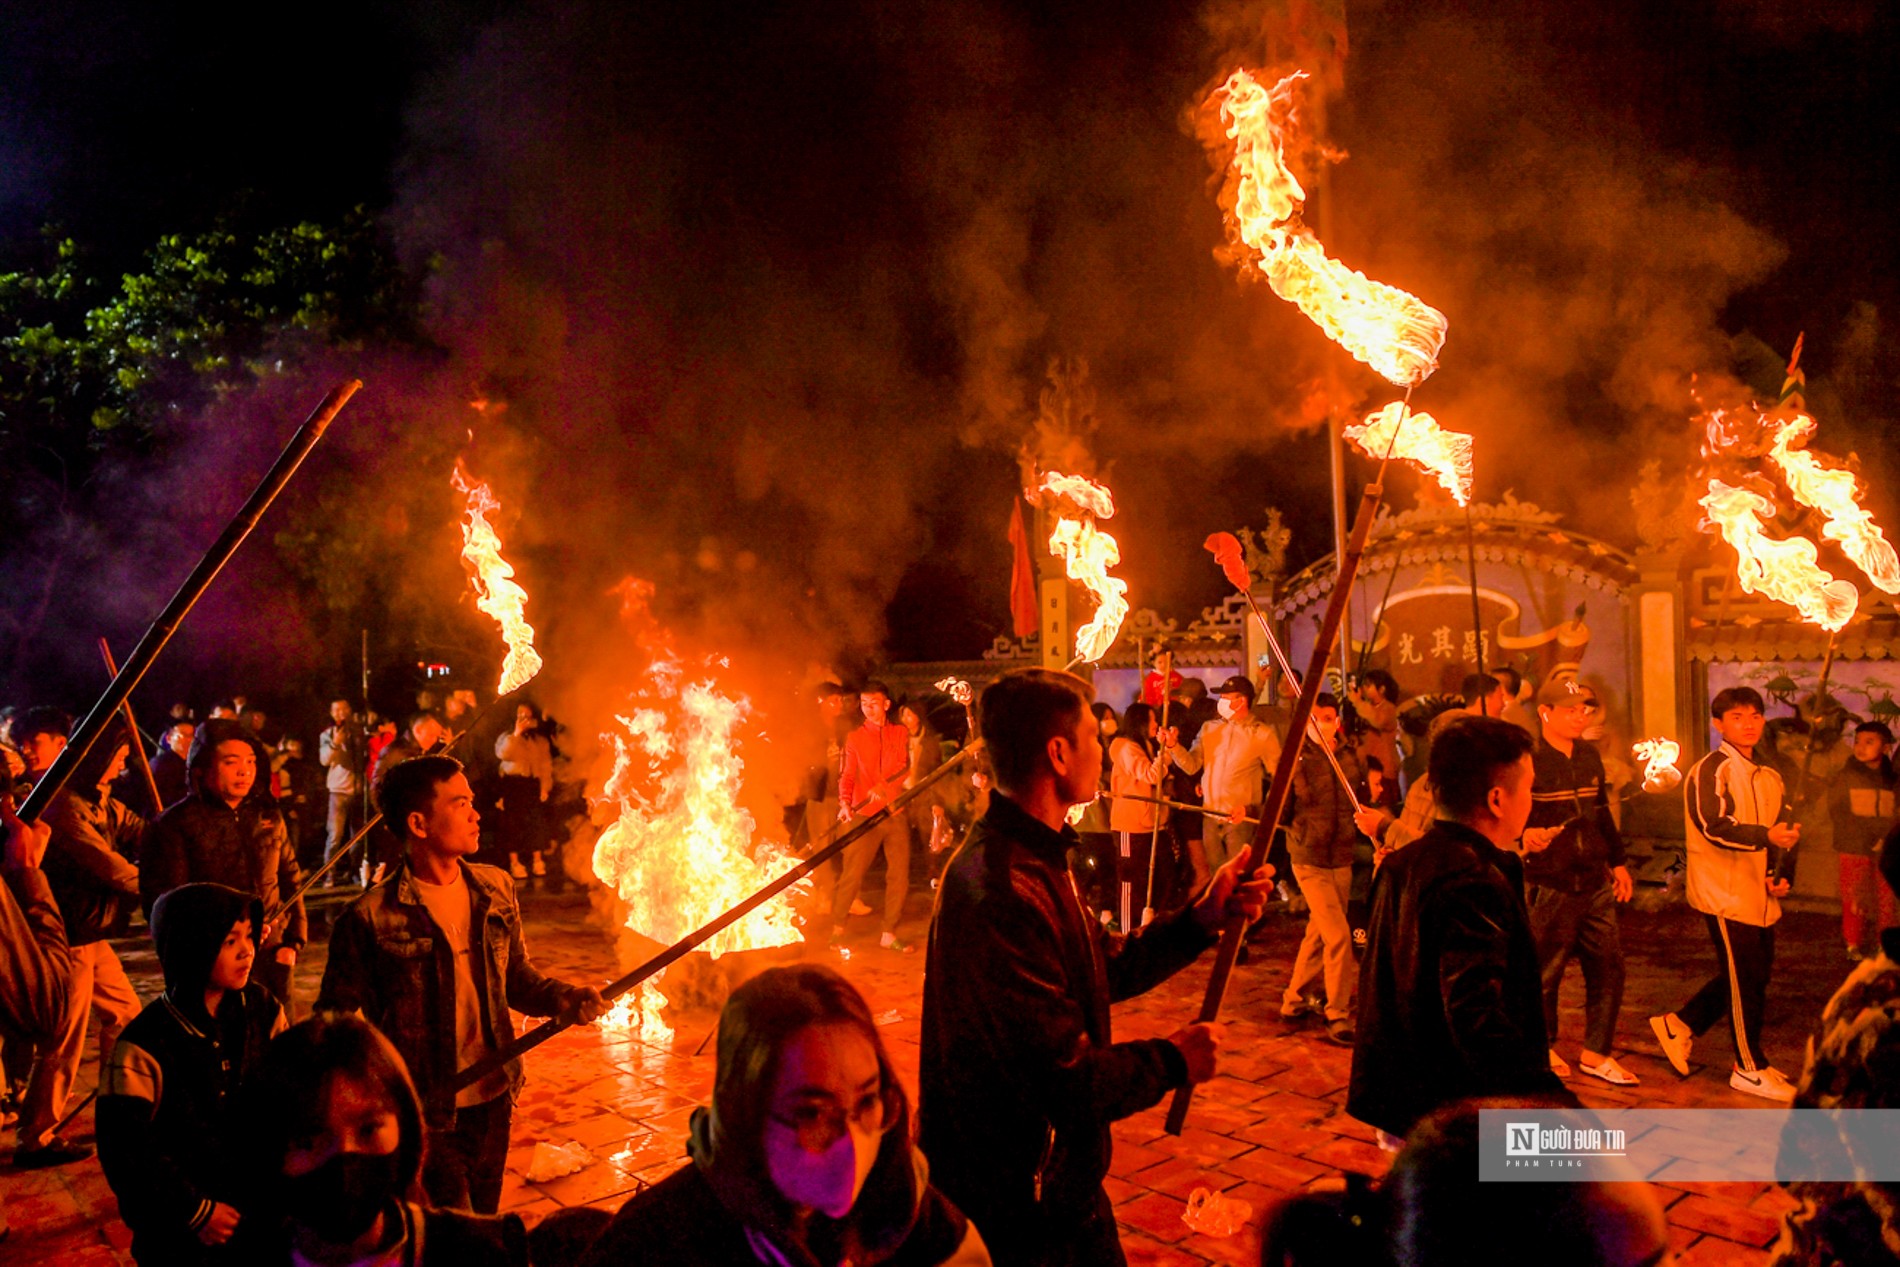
point(1154, 839)
point(139, 759)
point(181, 603)
point(1281, 790)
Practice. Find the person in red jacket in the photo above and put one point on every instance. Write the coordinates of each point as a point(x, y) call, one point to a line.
point(876, 763)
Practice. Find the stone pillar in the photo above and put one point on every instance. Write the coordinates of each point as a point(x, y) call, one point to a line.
point(1661, 708)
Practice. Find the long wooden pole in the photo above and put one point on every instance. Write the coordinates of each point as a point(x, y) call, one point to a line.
point(684, 946)
point(1280, 792)
point(139, 759)
point(161, 630)
point(1154, 838)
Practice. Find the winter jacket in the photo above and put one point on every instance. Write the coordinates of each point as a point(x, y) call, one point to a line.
point(390, 961)
point(1235, 759)
point(247, 846)
point(1732, 802)
point(876, 763)
point(168, 1131)
point(1861, 805)
point(1321, 832)
point(35, 960)
point(1020, 1078)
point(713, 1214)
point(91, 864)
point(1572, 792)
point(1132, 772)
point(1450, 998)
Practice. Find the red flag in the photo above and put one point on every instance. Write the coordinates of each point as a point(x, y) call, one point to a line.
point(1023, 613)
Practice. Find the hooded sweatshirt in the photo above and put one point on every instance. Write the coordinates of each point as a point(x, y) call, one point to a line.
point(721, 1211)
point(167, 1138)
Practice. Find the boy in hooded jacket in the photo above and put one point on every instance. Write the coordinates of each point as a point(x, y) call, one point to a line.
point(167, 1136)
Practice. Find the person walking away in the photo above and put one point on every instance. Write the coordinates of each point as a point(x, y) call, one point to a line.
point(1575, 883)
point(89, 866)
point(1739, 823)
point(1320, 840)
point(1860, 805)
point(169, 1100)
point(36, 964)
point(335, 1145)
point(527, 777)
point(434, 957)
point(344, 755)
point(1136, 768)
point(1235, 757)
point(231, 832)
point(876, 763)
point(1450, 1000)
point(805, 1155)
point(1020, 1077)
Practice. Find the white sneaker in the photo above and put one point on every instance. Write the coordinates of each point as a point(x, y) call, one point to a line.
point(515, 868)
point(539, 866)
point(1675, 1039)
point(859, 908)
point(1769, 1084)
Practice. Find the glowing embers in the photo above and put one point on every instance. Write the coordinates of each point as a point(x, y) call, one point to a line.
point(496, 591)
point(1417, 438)
point(1087, 553)
point(1396, 334)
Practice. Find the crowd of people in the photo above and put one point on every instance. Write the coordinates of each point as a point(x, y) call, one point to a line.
point(375, 1131)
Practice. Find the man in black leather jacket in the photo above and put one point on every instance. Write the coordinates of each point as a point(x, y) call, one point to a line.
point(1450, 996)
point(1020, 1079)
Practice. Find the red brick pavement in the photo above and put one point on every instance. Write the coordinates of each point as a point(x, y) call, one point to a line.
point(1272, 1124)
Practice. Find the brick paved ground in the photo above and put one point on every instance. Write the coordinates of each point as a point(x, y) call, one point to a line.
point(1271, 1124)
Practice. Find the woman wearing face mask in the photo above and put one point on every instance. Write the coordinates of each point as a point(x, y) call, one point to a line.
point(805, 1158)
point(337, 1140)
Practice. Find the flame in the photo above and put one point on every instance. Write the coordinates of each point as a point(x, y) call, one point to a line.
point(1087, 553)
point(681, 850)
point(496, 592)
point(1393, 332)
point(1445, 455)
point(1786, 571)
point(1659, 758)
point(1835, 493)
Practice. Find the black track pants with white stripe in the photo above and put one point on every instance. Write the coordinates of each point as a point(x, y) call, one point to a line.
point(1744, 956)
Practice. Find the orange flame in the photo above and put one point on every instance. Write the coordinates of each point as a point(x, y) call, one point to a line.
point(1786, 571)
point(1395, 333)
point(496, 592)
point(681, 850)
point(1417, 438)
point(1087, 553)
point(1835, 493)
point(1659, 758)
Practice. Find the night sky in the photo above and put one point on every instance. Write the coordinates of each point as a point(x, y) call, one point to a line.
point(770, 291)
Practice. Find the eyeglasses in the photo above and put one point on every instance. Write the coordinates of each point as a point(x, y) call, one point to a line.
point(818, 1123)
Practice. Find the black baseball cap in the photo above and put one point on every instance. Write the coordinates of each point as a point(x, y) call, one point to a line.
point(1239, 684)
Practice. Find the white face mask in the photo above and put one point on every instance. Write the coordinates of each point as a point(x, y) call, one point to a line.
point(828, 1182)
point(1229, 709)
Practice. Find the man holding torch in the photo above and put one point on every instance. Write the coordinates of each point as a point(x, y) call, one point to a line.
point(1020, 1078)
point(1235, 757)
point(1739, 824)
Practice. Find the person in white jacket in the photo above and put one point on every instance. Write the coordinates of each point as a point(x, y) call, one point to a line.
point(1738, 825)
point(1235, 758)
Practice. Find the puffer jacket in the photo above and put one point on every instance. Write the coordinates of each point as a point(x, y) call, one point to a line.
point(1021, 1078)
point(390, 961)
point(1450, 996)
point(202, 840)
